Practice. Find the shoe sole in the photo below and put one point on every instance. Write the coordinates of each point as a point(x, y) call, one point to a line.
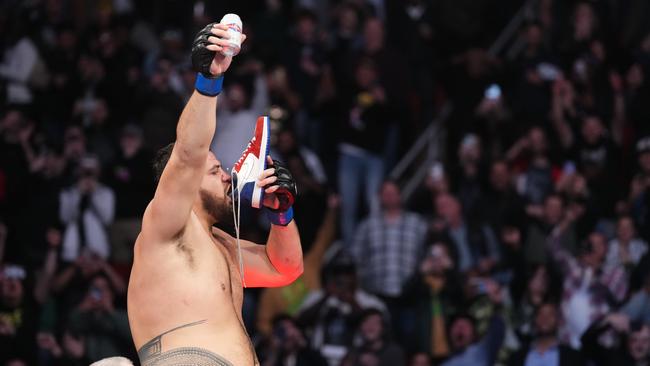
point(264, 137)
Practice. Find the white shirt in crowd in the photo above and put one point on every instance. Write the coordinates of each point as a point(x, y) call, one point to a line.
point(96, 218)
point(16, 68)
point(636, 249)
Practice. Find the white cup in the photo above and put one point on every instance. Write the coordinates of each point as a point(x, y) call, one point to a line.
point(234, 31)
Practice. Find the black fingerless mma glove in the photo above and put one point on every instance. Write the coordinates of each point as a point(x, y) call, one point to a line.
point(286, 194)
point(201, 56)
point(206, 83)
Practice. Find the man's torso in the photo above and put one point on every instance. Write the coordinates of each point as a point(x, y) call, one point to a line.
point(185, 300)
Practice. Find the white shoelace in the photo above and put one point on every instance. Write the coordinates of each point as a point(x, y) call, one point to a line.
point(236, 217)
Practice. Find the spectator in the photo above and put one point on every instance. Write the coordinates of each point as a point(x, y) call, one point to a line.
point(305, 58)
point(530, 156)
point(439, 297)
point(365, 119)
point(386, 249)
point(474, 244)
point(395, 236)
point(590, 290)
point(21, 63)
point(539, 290)
point(71, 280)
point(329, 314)
point(411, 24)
point(346, 41)
point(131, 178)
point(468, 348)
point(62, 62)
point(308, 171)
point(374, 338)
point(626, 250)
point(104, 328)
point(596, 156)
point(635, 350)
point(501, 203)
point(535, 65)
point(288, 346)
point(436, 182)
point(306, 62)
point(87, 209)
point(274, 16)
point(538, 231)
point(281, 96)
point(99, 129)
point(572, 187)
point(387, 60)
point(160, 107)
point(74, 148)
point(19, 306)
point(289, 299)
point(470, 171)
point(545, 348)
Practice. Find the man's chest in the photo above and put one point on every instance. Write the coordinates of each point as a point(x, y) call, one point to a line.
point(226, 269)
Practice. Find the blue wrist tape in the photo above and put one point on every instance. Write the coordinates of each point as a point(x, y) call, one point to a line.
point(282, 218)
point(210, 87)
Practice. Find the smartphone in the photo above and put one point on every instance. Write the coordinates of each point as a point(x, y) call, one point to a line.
point(569, 168)
point(547, 71)
point(14, 272)
point(437, 172)
point(96, 293)
point(480, 286)
point(436, 251)
point(493, 92)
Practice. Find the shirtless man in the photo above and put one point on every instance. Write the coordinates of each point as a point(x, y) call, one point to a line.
point(185, 291)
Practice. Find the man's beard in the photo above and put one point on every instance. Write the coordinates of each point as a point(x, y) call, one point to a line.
point(219, 209)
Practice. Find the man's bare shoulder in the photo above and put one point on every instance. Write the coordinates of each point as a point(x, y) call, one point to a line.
point(230, 242)
point(150, 232)
point(223, 237)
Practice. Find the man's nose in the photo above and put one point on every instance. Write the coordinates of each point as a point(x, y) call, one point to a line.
point(226, 177)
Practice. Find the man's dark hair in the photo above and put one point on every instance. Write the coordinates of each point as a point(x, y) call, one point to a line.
point(160, 161)
point(367, 313)
point(305, 13)
point(458, 316)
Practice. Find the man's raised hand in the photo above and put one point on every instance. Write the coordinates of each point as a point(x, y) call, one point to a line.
point(206, 50)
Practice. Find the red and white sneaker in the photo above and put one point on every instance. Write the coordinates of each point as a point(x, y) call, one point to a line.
point(251, 164)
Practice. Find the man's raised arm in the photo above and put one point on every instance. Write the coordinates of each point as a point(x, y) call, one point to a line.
point(179, 183)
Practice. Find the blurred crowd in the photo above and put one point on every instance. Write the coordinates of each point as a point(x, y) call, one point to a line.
point(526, 243)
